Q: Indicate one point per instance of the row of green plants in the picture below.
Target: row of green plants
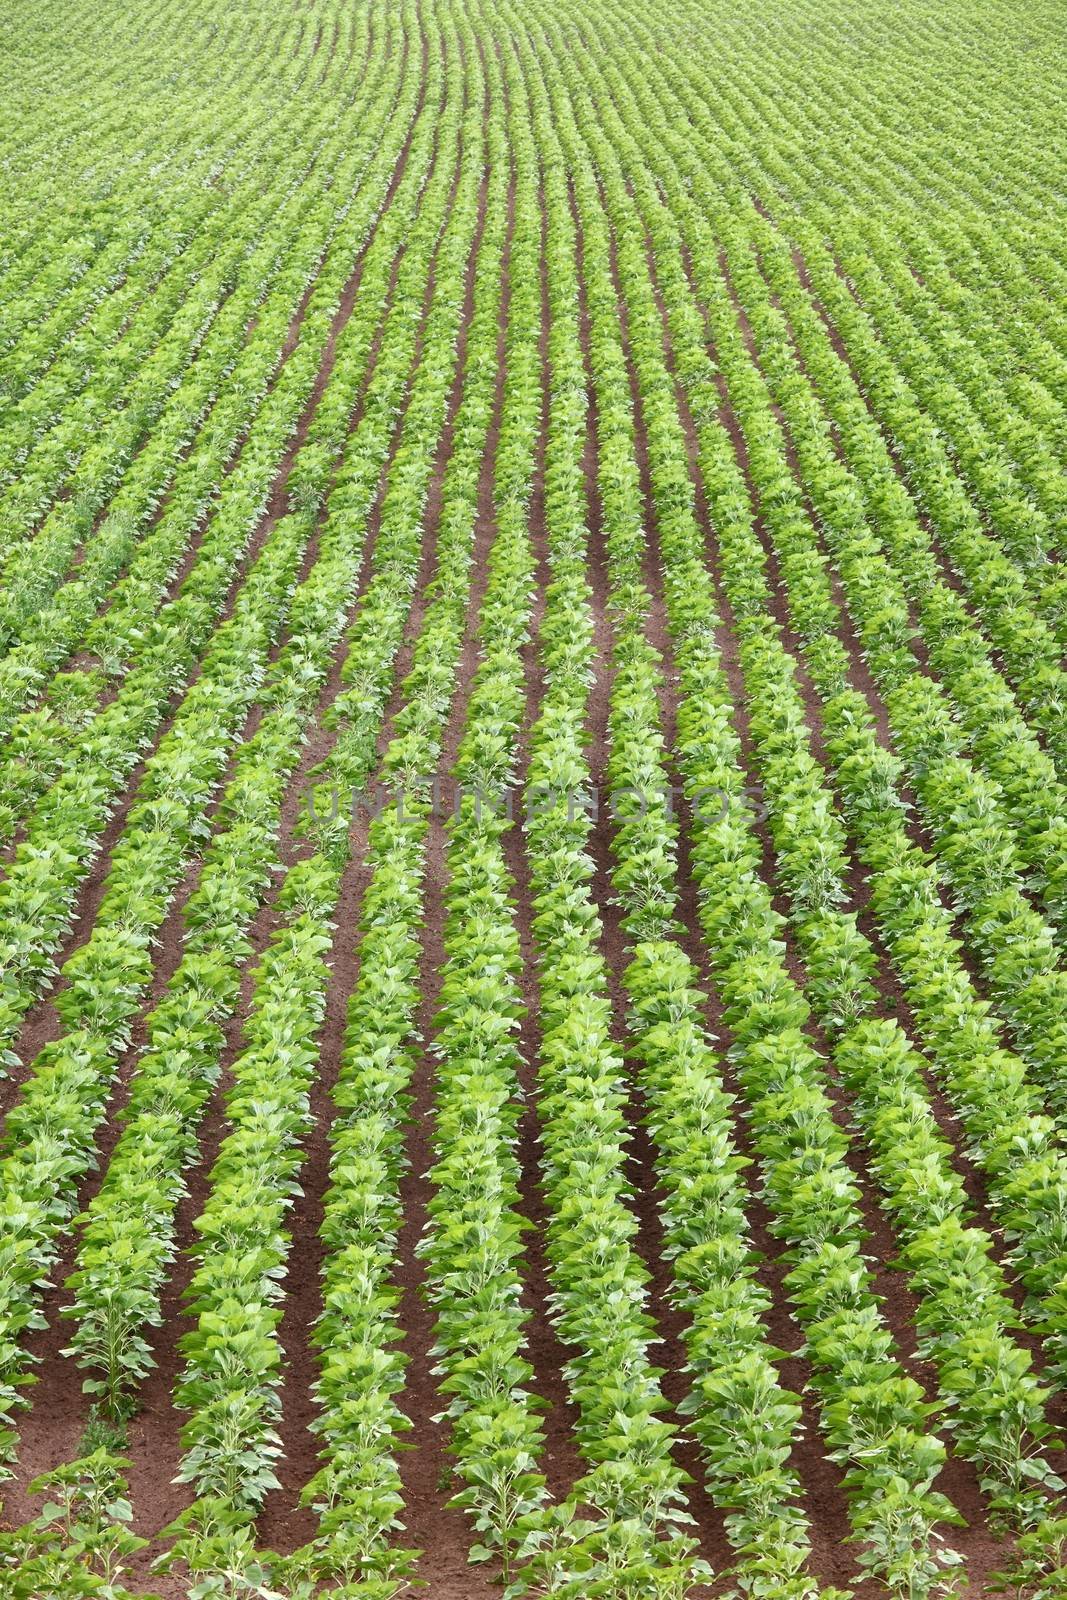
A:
(233, 1353)
(174, 481)
(623, 1527)
(357, 1493)
(744, 1420)
(130, 559)
(84, 444)
(1020, 445)
(946, 264)
(874, 1416)
(998, 590)
(107, 976)
(1012, 508)
(872, 483)
(117, 1290)
(1018, 950)
(968, 827)
(1002, 745)
(974, 408)
(103, 435)
(73, 295)
(474, 1235)
(1025, 361)
(34, 232)
(114, 1304)
(38, 894)
(791, 83)
(805, 833)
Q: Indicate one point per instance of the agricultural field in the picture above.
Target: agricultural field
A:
(533, 800)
